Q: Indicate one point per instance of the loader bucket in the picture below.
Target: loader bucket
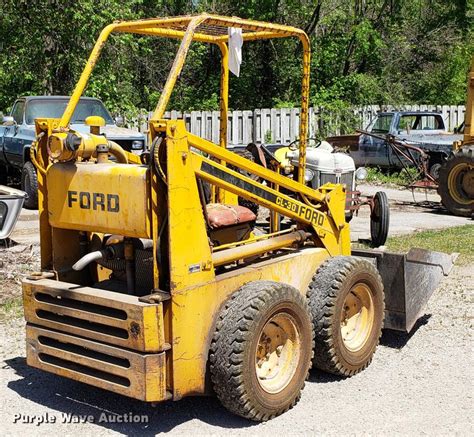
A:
(409, 280)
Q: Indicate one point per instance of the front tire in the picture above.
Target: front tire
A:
(346, 300)
(29, 184)
(261, 350)
(379, 219)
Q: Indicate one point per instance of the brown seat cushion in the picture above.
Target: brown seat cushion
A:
(220, 215)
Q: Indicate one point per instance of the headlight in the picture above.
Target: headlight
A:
(137, 145)
(361, 174)
(308, 175)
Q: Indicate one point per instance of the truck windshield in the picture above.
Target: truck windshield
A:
(54, 108)
(381, 125)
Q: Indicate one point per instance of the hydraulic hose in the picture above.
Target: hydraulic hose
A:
(117, 151)
(87, 259)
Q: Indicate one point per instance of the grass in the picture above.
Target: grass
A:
(457, 239)
(379, 177)
(11, 308)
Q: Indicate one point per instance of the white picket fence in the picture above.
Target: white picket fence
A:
(282, 125)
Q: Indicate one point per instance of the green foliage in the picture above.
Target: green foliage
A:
(401, 178)
(377, 52)
(458, 239)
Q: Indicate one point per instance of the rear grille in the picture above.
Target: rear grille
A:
(101, 315)
(140, 376)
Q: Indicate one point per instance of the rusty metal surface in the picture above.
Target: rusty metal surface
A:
(140, 376)
(409, 281)
(101, 315)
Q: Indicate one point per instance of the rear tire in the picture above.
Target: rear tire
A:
(379, 219)
(456, 182)
(346, 300)
(261, 350)
(29, 184)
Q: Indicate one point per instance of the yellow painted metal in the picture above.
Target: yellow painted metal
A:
(249, 166)
(108, 198)
(140, 376)
(100, 315)
(358, 315)
(224, 97)
(251, 239)
(197, 308)
(278, 353)
(190, 254)
(95, 122)
(176, 68)
(258, 247)
(469, 116)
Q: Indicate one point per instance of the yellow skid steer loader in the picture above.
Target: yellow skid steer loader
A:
(155, 283)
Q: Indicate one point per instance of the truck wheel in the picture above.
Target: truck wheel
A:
(346, 300)
(29, 184)
(261, 350)
(379, 219)
(456, 182)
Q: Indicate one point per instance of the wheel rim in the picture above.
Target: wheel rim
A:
(278, 353)
(357, 318)
(461, 183)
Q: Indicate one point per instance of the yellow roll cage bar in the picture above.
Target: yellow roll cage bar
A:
(204, 28)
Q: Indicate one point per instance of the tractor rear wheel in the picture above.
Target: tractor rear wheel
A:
(346, 300)
(261, 350)
(456, 182)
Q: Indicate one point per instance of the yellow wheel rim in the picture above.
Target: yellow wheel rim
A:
(461, 183)
(357, 318)
(278, 353)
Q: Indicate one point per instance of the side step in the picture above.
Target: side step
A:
(139, 376)
(409, 280)
(108, 317)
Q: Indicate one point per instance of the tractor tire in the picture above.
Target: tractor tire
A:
(261, 350)
(379, 220)
(346, 301)
(244, 202)
(434, 170)
(456, 182)
(29, 184)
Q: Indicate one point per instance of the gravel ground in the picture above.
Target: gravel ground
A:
(417, 385)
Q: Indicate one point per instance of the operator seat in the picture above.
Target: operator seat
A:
(220, 215)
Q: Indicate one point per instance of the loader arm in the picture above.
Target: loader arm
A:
(323, 214)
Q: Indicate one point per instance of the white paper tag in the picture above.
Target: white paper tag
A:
(235, 49)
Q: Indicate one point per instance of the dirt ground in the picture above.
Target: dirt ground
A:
(418, 384)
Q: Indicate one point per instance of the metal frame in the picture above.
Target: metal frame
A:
(204, 28)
